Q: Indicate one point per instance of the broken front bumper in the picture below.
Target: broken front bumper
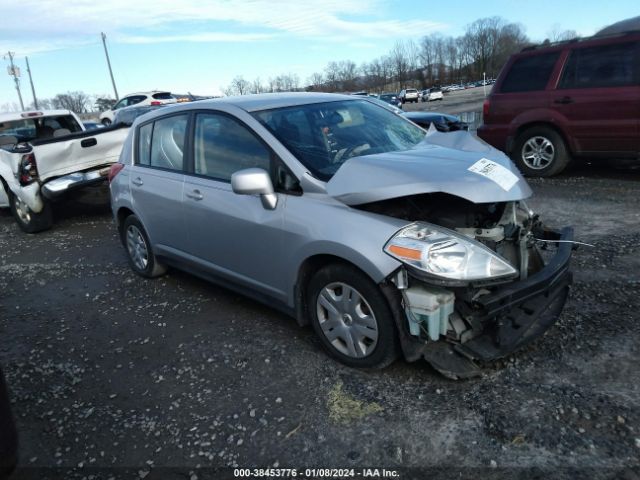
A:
(507, 319)
(61, 185)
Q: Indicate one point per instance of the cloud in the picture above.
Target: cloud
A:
(37, 25)
(196, 37)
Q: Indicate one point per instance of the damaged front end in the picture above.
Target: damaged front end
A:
(478, 281)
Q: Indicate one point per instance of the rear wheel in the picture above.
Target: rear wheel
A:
(139, 253)
(28, 220)
(540, 152)
(351, 317)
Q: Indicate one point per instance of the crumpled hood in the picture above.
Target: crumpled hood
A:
(456, 163)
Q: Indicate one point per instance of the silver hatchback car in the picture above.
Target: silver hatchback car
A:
(386, 238)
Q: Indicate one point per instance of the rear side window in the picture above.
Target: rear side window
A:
(529, 74)
(162, 96)
(144, 144)
(224, 146)
(605, 66)
(161, 143)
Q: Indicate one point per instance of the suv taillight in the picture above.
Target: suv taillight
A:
(28, 170)
(485, 110)
(156, 102)
(114, 170)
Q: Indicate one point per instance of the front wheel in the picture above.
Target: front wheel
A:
(351, 317)
(28, 220)
(139, 253)
(540, 152)
(106, 122)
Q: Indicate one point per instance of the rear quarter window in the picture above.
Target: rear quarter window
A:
(162, 96)
(528, 74)
(602, 66)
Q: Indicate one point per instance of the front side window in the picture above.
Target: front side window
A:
(324, 135)
(605, 66)
(529, 74)
(223, 146)
(163, 143)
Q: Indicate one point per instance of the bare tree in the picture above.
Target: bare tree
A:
(401, 64)
(557, 34)
(316, 82)
(78, 102)
(332, 76)
(239, 85)
(256, 86)
(103, 103)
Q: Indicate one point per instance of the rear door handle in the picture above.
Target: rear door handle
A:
(88, 142)
(195, 195)
(563, 100)
(137, 181)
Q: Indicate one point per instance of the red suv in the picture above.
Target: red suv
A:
(580, 98)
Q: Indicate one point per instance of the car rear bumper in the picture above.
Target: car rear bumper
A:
(59, 186)
(496, 136)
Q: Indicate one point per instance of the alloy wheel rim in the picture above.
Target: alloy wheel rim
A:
(538, 153)
(347, 320)
(137, 247)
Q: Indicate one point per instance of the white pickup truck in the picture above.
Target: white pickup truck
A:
(45, 154)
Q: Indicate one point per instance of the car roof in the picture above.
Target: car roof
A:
(146, 93)
(268, 101)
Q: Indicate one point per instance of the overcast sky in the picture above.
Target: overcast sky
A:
(199, 46)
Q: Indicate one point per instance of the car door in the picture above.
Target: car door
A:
(599, 95)
(157, 182)
(232, 235)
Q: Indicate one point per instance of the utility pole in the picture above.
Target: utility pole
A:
(33, 90)
(104, 44)
(15, 72)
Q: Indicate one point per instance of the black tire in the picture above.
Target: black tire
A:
(106, 122)
(28, 220)
(369, 306)
(552, 147)
(140, 255)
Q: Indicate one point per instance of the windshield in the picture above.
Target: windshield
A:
(325, 135)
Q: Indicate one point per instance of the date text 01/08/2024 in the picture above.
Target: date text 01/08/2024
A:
(315, 473)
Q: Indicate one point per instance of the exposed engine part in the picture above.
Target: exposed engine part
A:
(440, 209)
(428, 308)
(507, 228)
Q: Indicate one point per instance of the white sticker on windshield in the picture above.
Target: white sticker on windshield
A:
(495, 172)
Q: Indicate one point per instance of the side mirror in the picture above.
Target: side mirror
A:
(255, 181)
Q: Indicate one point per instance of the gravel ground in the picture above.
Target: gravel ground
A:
(113, 376)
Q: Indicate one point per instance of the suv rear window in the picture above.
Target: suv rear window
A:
(605, 66)
(162, 96)
(531, 73)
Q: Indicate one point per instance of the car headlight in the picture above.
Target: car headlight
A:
(446, 254)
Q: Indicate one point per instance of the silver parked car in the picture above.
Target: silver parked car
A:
(386, 238)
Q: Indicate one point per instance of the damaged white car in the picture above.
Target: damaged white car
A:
(46, 154)
(386, 238)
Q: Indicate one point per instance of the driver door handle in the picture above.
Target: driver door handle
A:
(137, 181)
(195, 195)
